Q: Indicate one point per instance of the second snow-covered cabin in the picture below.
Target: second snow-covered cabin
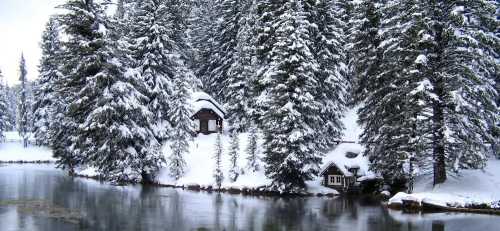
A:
(340, 178)
(346, 170)
(208, 114)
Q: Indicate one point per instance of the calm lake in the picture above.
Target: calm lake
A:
(40, 197)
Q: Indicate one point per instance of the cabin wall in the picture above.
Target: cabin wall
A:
(346, 181)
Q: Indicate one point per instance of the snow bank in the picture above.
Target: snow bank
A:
(472, 187)
(13, 151)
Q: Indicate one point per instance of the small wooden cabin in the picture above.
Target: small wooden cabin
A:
(340, 178)
(208, 114)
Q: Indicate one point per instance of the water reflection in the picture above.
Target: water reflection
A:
(106, 207)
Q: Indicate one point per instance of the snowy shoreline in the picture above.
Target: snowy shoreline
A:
(260, 191)
(200, 168)
(476, 191)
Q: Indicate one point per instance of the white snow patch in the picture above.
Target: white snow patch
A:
(471, 187)
(13, 150)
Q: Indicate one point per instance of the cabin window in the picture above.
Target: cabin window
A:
(212, 125)
(335, 180)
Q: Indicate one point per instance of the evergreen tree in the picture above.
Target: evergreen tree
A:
(392, 98)
(225, 43)
(23, 106)
(43, 107)
(252, 151)
(460, 65)
(182, 126)
(113, 132)
(218, 174)
(431, 88)
(234, 150)
(240, 81)
(291, 118)
(4, 118)
(158, 58)
(328, 47)
(11, 98)
(364, 40)
(202, 33)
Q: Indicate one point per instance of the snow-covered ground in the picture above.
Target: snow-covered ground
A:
(12, 150)
(200, 168)
(200, 162)
(469, 188)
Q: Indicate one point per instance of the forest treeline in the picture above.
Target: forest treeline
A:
(115, 87)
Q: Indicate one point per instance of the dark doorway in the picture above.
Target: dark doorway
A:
(204, 126)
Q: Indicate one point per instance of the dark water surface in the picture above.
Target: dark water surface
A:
(39, 197)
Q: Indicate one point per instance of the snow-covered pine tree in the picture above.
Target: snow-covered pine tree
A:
(328, 49)
(154, 55)
(391, 101)
(202, 34)
(159, 52)
(182, 126)
(461, 57)
(180, 19)
(12, 107)
(30, 99)
(239, 92)
(4, 117)
(225, 43)
(23, 105)
(44, 96)
(252, 150)
(234, 152)
(291, 120)
(114, 132)
(363, 42)
(218, 174)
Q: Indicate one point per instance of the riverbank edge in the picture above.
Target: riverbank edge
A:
(410, 206)
(260, 191)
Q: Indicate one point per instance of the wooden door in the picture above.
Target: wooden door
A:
(204, 126)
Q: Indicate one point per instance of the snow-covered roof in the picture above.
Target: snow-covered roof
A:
(337, 157)
(343, 169)
(201, 100)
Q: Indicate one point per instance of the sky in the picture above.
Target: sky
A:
(21, 25)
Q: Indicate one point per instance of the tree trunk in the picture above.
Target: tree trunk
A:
(439, 155)
(438, 107)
